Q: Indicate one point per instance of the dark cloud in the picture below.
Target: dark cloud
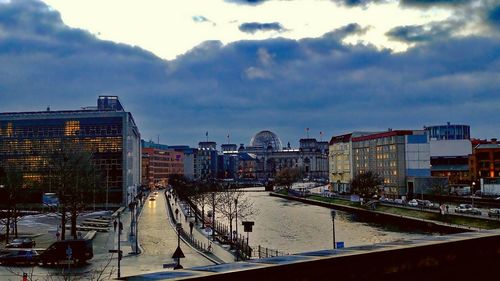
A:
(247, 2)
(252, 27)
(421, 33)
(352, 28)
(243, 87)
(428, 3)
(352, 3)
(493, 16)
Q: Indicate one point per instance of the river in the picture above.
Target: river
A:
(294, 227)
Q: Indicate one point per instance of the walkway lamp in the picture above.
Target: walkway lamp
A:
(333, 213)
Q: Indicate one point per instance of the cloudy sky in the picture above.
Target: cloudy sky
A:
(184, 67)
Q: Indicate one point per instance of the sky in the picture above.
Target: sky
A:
(236, 67)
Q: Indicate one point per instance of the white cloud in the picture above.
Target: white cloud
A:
(167, 28)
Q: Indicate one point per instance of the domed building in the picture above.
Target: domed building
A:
(266, 140)
(265, 156)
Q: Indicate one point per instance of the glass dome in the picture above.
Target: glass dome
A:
(266, 140)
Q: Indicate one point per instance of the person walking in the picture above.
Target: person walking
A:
(120, 227)
(114, 225)
(176, 214)
(191, 225)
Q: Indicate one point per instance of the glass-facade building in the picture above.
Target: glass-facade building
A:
(448, 132)
(27, 139)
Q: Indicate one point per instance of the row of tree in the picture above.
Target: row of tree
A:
(223, 199)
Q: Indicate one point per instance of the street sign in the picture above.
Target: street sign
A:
(178, 253)
(247, 226)
(168, 265)
(340, 245)
(69, 252)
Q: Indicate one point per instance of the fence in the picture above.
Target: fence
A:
(262, 252)
(222, 233)
(201, 246)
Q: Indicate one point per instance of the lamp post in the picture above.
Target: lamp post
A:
(472, 193)
(107, 186)
(213, 216)
(236, 217)
(332, 212)
(236, 231)
(119, 246)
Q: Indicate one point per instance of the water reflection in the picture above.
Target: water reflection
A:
(293, 227)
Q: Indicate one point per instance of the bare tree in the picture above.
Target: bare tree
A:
(232, 204)
(73, 175)
(11, 180)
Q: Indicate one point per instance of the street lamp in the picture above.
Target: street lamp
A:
(236, 217)
(332, 212)
(472, 193)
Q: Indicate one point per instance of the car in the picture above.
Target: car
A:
(21, 243)
(425, 203)
(494, 213)
(463, 208)
(399, 201)
(19, 256)
(474, 211)
(413, 203)
(152, 198)
(79, 250)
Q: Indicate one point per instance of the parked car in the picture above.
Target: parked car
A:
(399, 201)
(19, 256)
(474, 211)
(78, 250)
(21, 243)
(425, 203)
(494, 213)
(463, 208)
(413, 203)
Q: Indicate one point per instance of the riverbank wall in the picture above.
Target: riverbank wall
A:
(384, 218)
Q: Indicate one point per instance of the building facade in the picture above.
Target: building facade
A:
(270, 157)
(159, 165)
(450, 149)
(448, 132)
(205, 167)
(485, 162)
(394, 155)
(27, 139)
(340, 161)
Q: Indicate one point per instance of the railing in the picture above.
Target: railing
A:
(262, 252)
(222, 233)
(187, 237)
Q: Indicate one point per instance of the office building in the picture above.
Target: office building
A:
(27, 139)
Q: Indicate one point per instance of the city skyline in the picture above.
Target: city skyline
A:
(265, 73)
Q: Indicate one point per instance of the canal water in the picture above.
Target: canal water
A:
(294, 227)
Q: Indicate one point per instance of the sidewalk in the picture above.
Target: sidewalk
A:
(219, 252)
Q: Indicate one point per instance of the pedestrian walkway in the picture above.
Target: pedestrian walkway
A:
(158, 241)
(220, 253)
